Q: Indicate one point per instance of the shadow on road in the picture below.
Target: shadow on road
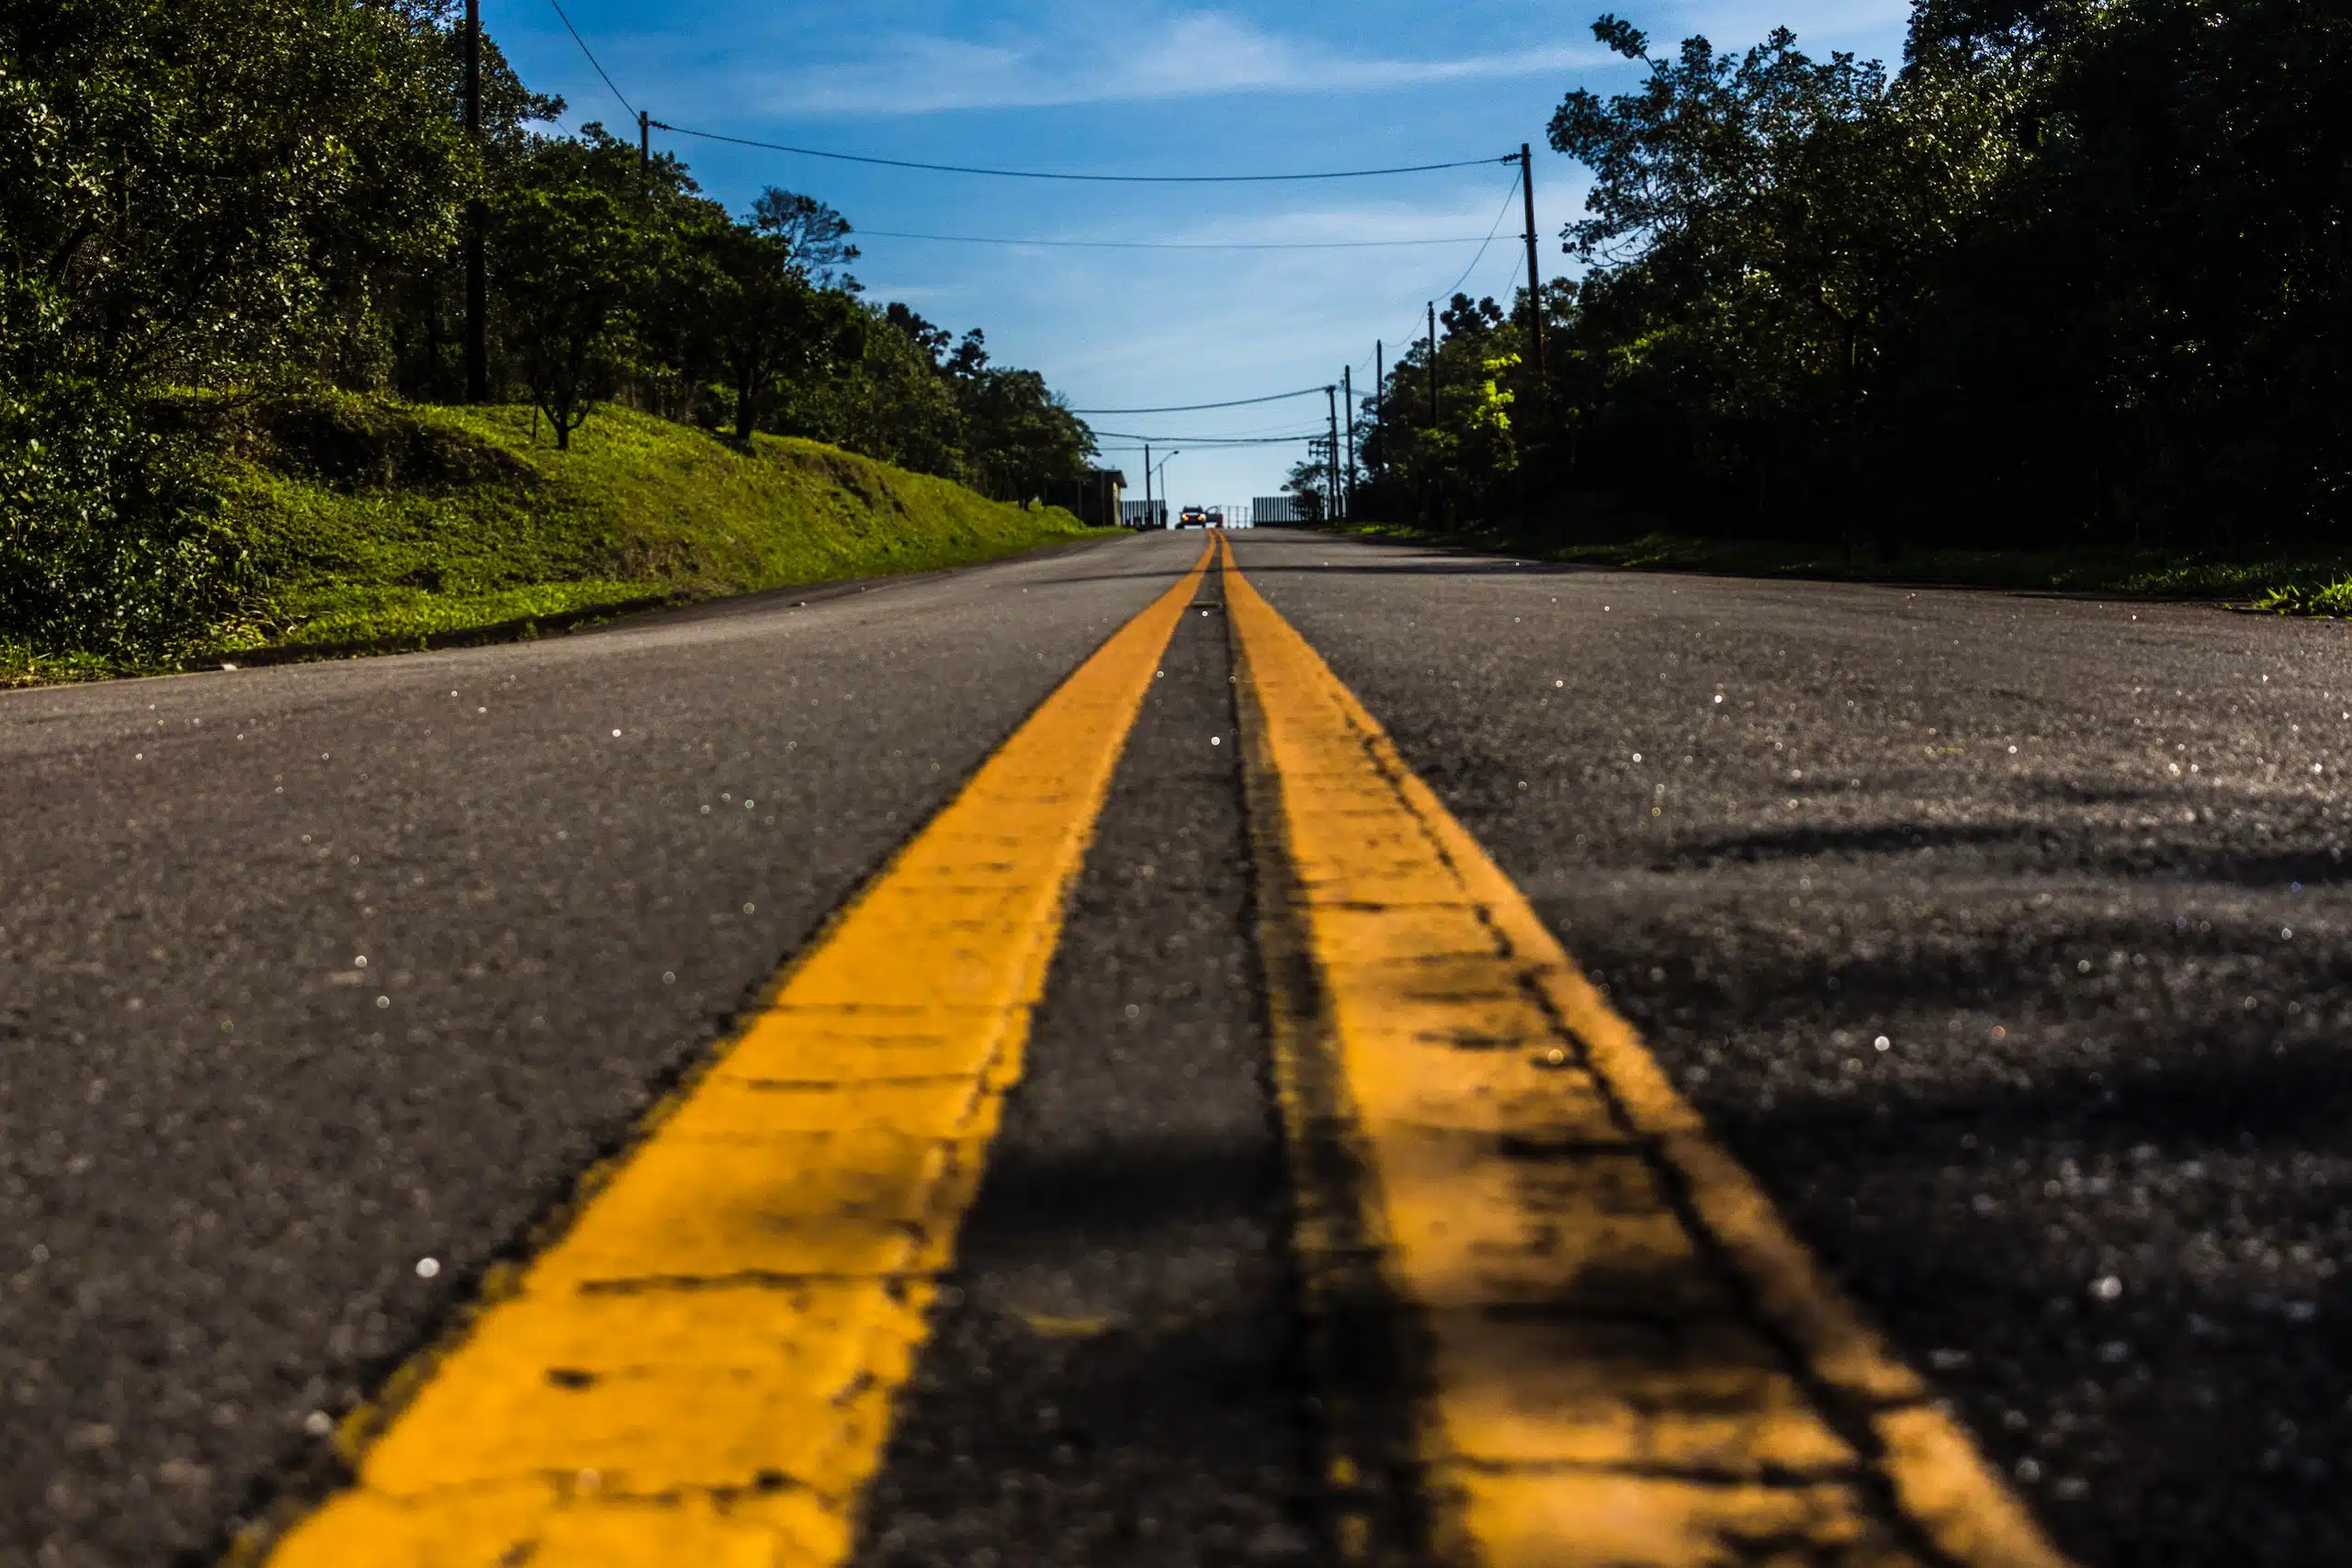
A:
(2168, 1117)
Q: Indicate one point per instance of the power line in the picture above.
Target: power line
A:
(1091, 179)
(1204, 438)
(1413, 333)
(592, 57)
(1490, 238)
(1195, 407)
(1172, 245)
(1190, 442)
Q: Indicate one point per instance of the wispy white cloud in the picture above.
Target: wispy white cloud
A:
(1187, 54)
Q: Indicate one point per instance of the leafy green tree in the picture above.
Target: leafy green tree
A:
(576, 261)
(1018, 436)
(892, 401)
(207, 186)
(765, 320)
(815, 238)
(1308, 483)
(208, 192)
(2152, 330)
(1771, 220)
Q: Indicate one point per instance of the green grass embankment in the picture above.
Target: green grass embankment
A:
(2286, 584)
(376, 524)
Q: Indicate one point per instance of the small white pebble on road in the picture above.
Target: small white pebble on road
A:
(426, 1268)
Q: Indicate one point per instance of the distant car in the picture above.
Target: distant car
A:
(1193, 518)
(1216, 519)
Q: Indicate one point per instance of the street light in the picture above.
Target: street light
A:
(1161, 468)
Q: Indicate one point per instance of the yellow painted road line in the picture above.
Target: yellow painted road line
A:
(698, 1373)
(1627, 1361)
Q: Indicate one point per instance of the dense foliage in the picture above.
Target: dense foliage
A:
(208, 196)
(2080, 269)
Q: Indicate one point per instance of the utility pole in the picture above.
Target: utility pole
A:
(476, 267)
(1534, 276)
(1163, 481)
(1151, 518)
(1331, 458)
(1379, 401)
(1348, 390)
(645, 156)
(1432, 365)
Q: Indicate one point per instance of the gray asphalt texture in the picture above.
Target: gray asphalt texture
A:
(227, 1149)
(1114, 1377)
(2095, 1183)
(2041, 1044)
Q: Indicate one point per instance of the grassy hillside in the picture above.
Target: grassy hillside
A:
(377, 524)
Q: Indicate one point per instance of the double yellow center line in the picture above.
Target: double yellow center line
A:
(1626, 1359)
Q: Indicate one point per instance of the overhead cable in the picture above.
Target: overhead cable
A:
(1195, 407)
(1171, 244)
(1189, 442)
(1058, 174)
(1490, 240)
(592, 56)
(1413, 334)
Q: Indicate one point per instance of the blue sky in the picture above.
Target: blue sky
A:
(1144, 87)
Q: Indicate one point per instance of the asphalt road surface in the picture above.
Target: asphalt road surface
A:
(2004, 940)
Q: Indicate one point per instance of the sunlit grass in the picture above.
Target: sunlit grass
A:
(639, 508)
(378, 525)
(23, 666)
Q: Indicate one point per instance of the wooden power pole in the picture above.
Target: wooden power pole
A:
(1347, 396)
(1534, 275)
(1432, 365)
(477, 265)
(1331, 453)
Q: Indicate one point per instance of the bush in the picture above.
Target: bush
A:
(111, 540)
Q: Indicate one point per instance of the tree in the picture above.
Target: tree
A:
(205, 184)
(1762, 226)
(574, 260)
(932, 341)
(1306, 482)
(205, 193)
(1018, 436)
(815, 238)
(892, 401)
(766, 320)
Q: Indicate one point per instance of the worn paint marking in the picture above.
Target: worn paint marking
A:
(1628, 1361)
(700, 1369)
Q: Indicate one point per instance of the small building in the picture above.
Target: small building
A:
(1096, 500)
